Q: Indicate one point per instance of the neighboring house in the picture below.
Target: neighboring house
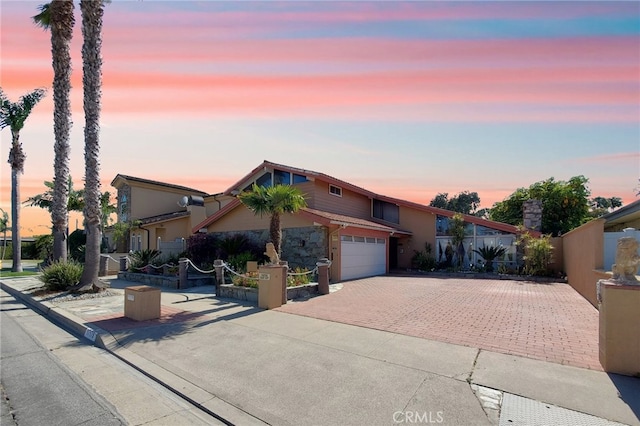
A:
(589, 250)
(157, 212)
(361, 232)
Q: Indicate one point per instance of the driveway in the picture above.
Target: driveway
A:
(548, 322)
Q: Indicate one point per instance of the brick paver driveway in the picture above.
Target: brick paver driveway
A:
(549, 322)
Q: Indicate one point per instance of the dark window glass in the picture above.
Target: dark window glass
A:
(264, 180)
(386, 211)
(281, 177)
(299, 178)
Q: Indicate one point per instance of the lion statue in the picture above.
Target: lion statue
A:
(627, 260)
(272, 254)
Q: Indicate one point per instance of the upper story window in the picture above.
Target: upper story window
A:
(264, 180)
(386, 211)
(335, 190)
(281, 177)
(299, 179)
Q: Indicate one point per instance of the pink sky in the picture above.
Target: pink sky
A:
(405, 99)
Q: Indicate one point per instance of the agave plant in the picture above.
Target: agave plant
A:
(142, 258)
(489, 254)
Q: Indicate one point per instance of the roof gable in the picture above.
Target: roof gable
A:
(136, 181)
(313, 175)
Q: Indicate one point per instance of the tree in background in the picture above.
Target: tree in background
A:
(465, 202)
(273, 201)
(4, 225)
(13, 115)
(45, 200)
(57, 17)
(565, 205)
(601, 205)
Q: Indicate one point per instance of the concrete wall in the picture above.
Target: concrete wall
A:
(583, 258)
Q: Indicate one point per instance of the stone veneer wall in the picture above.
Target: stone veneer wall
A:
(301, 247)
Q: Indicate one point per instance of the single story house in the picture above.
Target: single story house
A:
(361, 232)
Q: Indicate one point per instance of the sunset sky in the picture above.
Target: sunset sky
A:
(404, 99)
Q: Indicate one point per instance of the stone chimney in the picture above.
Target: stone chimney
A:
(532, 215)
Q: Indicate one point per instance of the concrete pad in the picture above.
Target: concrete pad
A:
(428, 355)
(349, 338)
(586, 391)
(445, 401)
(282, 380)
(282, 324)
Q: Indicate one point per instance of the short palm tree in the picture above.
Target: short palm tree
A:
(273, 201)
(489, 254)
(57, 17)
(13, 115)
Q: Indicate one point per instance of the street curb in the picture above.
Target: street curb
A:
(102, 339)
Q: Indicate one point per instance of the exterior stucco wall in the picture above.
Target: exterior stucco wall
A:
(583, 257)
(349, 204)
(423, 227)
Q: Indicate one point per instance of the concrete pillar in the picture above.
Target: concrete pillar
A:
(123, 263)
(219, 268)
(272, 282)
(102, 269)
(619, 337)
(285, 265)
(182, 273)
(323, 276)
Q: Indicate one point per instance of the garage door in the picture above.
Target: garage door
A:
(362, 257)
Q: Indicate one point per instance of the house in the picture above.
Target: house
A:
(589, 250)
(361, 232)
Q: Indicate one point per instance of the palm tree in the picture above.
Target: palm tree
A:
(92, 12)
(58, 17)
(13, 115)
(274, 201)
(4, 225)
(75, 201)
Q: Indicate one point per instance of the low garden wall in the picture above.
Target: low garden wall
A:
(167, 281)
(250, 294)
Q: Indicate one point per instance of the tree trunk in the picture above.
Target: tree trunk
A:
(92, 82)
(61, 32)
(275, 232)
(16, 241)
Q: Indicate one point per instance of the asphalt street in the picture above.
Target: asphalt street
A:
(41, 390)
(51, 377)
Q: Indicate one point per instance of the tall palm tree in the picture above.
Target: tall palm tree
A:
(92, 12)
(13, 115)
(57, 16)
(4, 225)
(273, 201)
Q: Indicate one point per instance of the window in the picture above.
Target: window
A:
(281, 177)
(299, 179)
(264, 180)
(386, 211)
(335, 190)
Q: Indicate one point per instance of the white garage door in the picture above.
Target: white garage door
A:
(363, 257)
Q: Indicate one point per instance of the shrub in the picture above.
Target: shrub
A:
(489, 254)
(142, 258)
(77, 242)
(423, 260)
(538, 254)
(202, 249)
(250, 279)
(238, 262)
(59, 276)
(296, 280)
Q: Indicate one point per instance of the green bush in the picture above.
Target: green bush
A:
(77, 242)
(59, 276)
(296, 280)
(238, 262)
(422, 260)
(538, 254)
(142, 258)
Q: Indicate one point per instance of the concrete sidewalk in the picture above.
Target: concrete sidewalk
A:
(251, 366)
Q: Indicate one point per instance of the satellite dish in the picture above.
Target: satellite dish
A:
(183, 202)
